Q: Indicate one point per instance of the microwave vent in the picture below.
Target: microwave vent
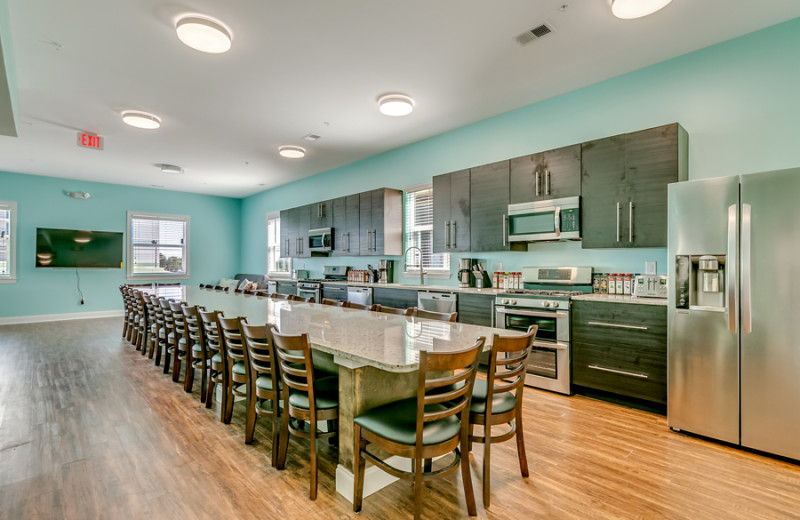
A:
(534, 34)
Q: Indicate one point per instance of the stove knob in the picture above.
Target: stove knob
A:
(513, 302)
(555, 305)
(547, 304)
(505, 301)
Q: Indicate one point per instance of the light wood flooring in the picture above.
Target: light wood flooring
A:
(91, 429)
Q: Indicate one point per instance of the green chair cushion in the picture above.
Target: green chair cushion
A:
(501, 402)
(326, 394)
(239, 368)
(216, 358)
(397, 422)
(265, 383)
(197, 347)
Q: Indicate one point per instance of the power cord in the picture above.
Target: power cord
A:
(78, 276)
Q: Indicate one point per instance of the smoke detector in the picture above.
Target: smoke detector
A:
(534, 33)
(170, 168)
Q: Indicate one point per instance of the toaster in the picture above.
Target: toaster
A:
(650, 286)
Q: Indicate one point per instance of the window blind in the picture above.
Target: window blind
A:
(158, 244)
(275, 264)
(5, 240)
(419, 230)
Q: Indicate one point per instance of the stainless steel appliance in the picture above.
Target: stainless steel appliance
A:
(313, 287)
(733, 356)
(320, 240)
(545, 302)
(556, 219)
(437, 301)
(465, 276)
(299, 274)
(272, 286)
(650, 286)
(362, 295)
(386, 269)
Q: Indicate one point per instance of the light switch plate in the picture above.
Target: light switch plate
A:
(649, 268)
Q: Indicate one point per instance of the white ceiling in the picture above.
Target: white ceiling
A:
(311, 66)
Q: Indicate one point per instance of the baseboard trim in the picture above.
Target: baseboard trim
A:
(40, 318)
(375, 478)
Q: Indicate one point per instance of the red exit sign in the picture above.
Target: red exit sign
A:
(90, 141)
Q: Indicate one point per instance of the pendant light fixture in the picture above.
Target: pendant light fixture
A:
(292, 152)
(630, 9)
(395, 104)
(204, 34)
(141, 119)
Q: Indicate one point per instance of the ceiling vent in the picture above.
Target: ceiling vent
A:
(311, 137)
(534, 34)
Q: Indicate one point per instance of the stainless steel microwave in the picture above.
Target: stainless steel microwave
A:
(555, 219)
(320, 240)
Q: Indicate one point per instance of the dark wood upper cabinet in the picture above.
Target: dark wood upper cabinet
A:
(489, 192)
(381, 222)
(321, 214)
(345, 225)
(288, 234)
(546, 175)
(451, 212)
(302, 223)
(624, 186)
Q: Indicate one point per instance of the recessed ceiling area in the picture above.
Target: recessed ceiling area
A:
(317, 67)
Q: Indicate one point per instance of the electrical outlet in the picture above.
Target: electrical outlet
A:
(649, 268)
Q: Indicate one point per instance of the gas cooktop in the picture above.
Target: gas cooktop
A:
(542, 292)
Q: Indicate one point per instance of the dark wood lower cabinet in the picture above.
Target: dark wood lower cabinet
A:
(475, 309)
(620, 348)
(400, 298)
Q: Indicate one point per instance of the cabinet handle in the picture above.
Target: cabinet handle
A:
(453, 233)
(616, 325)
(447, 235)
(557, 216)
(617, 221)
(620, 372)
(347, 242)
(547, 182)
(630, 221)
(505, 219)
(537, 183)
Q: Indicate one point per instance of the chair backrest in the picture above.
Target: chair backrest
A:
(295, 298)
(154, 310)
(446, 379)
(277, 296)
(431, 315)
(294, 358)
(260, 351)
(177, 318)
(333, 303)
(194, 329)
(211, 329)
(394, 310)
(507, 365)
(166, 312)
(361, 306)
(232, 341)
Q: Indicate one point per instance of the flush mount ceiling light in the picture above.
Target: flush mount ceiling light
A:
(629, 9)
(141, 119)
(82, 240)
(395, 104)
(203, 34)
(170, 168)
(292, 152)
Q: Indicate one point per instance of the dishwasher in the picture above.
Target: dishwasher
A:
(436, 301)
(362, 295)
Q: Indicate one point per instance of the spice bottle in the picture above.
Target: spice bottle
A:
(626, 284)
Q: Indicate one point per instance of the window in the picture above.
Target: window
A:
(159, 245)
(8, 241)
(275, 264)
(419, 230)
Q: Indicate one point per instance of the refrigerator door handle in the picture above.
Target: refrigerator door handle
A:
(732, 274)
(747, 299)
(617, 221)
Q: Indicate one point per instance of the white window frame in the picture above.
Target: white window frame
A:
(157, 276)
(11, 277)
(408, 228)
(276, 215)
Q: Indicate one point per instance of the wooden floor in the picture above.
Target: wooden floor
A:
(90, 429)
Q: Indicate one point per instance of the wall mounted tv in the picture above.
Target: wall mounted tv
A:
(78, 248)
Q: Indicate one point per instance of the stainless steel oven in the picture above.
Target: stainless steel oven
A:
(308, 288)
(549, 361)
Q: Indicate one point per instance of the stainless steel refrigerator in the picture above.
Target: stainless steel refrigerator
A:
(734, 310)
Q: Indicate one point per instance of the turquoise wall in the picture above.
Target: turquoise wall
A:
(214, 239)
(737, 100)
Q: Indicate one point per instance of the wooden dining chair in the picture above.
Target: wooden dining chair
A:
(361, 306)
(278, 296)
(432, 424)
(333, 303)
(306, 299)
(394, 310)
(497, 400)
(156, 323)
(263, 383)
(122, 292)
(233, 348)
(142, 320)
(166, 334)
(218, 371)
(305, 398)
(178, 341)
(197, 356)
(431, 315)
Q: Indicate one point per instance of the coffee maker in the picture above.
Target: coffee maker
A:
(386, 269)
(465, 276)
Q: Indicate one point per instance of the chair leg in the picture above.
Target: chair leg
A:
(276, 428)
(203, 383)
(487, 452)
(227, 400)
(250, 424)
(283, 442)
(157, 347)
(210, 391)
(188, 377)
(313, 452)
(523, 458)
(427, 465)
(176, 365)
(358, 468)
(167, 357)
(466, 479)
(417, 487)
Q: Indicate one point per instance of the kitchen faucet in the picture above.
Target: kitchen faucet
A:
(406, 266)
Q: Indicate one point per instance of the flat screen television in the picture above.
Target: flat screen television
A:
(78, 248)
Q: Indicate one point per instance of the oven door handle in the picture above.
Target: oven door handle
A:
(553, 346)
(536, 314)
